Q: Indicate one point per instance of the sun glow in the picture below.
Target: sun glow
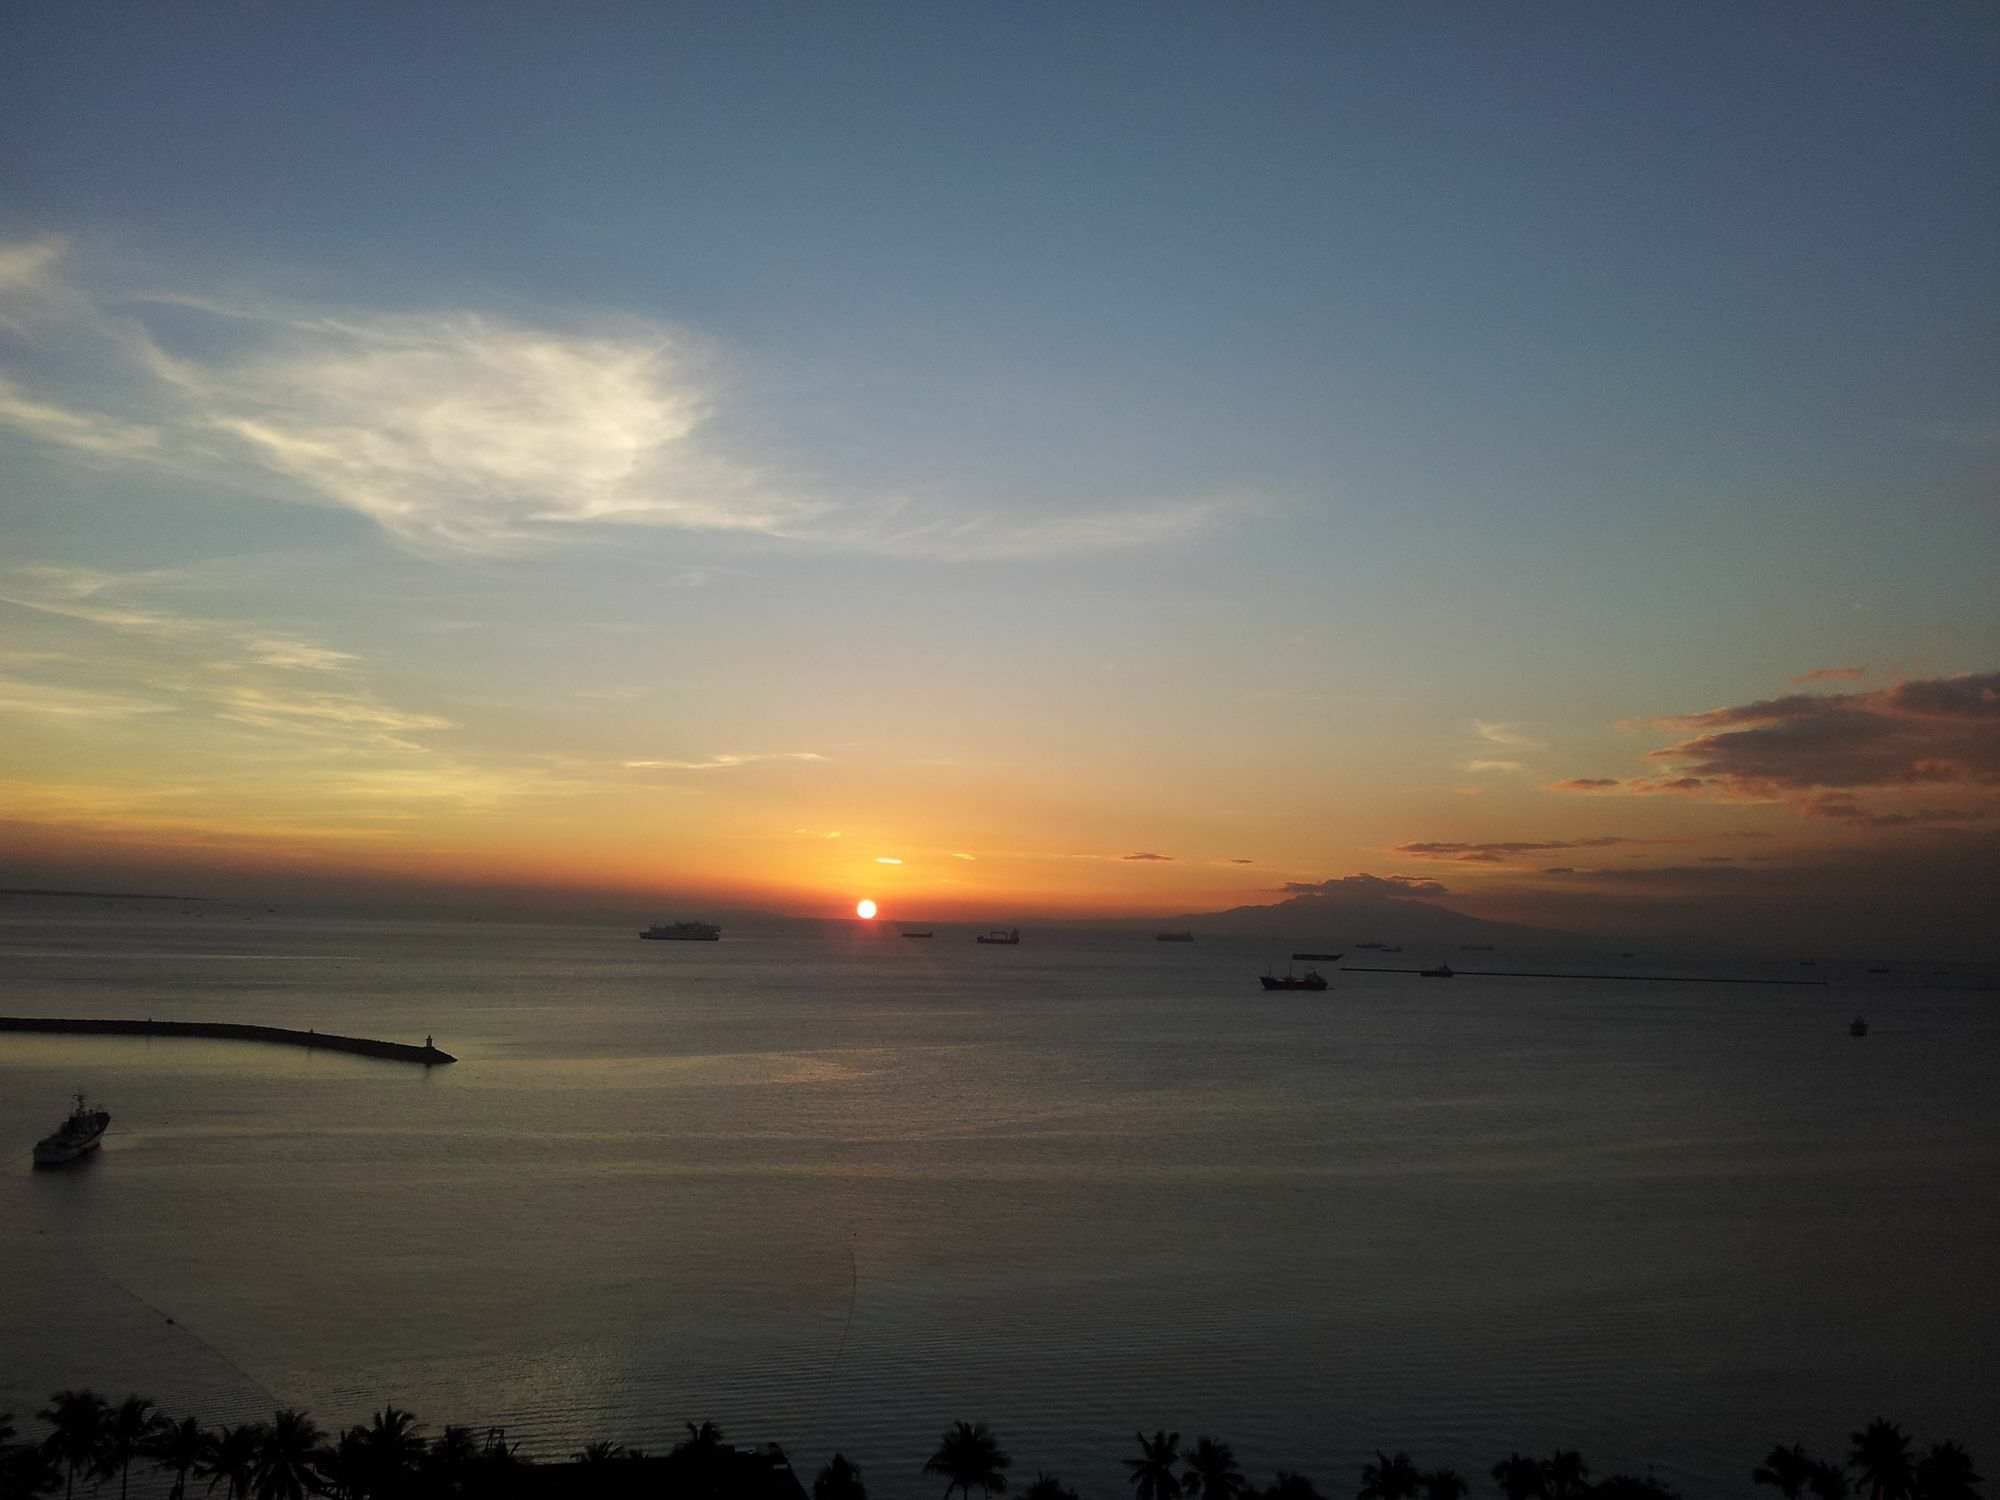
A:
(864, 909)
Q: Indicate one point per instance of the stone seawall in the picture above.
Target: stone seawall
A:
(231, 1031)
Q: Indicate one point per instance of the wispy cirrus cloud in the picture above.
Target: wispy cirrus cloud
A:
(462, 431)
(1831, 674)
(1161, 858)
(724, 762)
(1630, 786)
(18, 695)
(1376, 887)
(121, 653)
(1510, 851)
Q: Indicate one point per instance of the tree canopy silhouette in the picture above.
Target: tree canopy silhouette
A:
(969, 1456)
(1153, 1476)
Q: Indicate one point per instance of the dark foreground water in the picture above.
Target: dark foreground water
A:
(839, 1191)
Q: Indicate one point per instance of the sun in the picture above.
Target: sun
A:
(864, 909)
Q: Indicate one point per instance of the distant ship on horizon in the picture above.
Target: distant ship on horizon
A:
(683, 932)
(1173, 937)
(1001, 937)
(1312, 979)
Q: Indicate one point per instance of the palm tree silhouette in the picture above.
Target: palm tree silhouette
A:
(1212, 1471)
(230, 1456)
(970, 1455)
(450, 1457)
(1882, 1455)
(1565, 1476)
(1945, 1473)
(597, 1455)
(343, 1466)
(1445, 1484)
(78, 1418)
(1389, 1478)
(1153, 1476)
(284, 1468)
(177, 1447)
(1290, 1484)
(128, 1429)
(1519, 1478)
(1827, 1481)
(1789, 1469)
(391, 1448)
(839, 1480)
(27, 1471)
(1048, 1487)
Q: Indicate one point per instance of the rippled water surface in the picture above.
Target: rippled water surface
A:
(839, 1190)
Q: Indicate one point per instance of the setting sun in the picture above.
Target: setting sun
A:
(864, 909)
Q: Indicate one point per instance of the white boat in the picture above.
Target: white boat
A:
(76, 1135)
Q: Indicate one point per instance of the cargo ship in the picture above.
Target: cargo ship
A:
(683, 932)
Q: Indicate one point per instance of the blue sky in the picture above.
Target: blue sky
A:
(1282, 391)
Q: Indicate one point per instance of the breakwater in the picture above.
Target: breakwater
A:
(1635, 978)
(325, 1041)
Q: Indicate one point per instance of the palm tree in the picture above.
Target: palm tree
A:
(699, 1458)
(128, 1432)
(1045, 1487)
(1290, 1484)
(1789, 1469)
(451, 1455)
(343, 1466)
(1519, 1478)
(839, 1480)
(230, 1457)
(78, 1418)
(970, 1455)
(1945, 1473)
(596, 1455)
(1882, 1454)
(1828, 1481)
(28, 1472)
(1389, 1478)
(391, 1448)
(1565, 1476)
(178, 1447)
(284, 1468)
(1212, 1470)
(1153, 1475)
(1445, 1484)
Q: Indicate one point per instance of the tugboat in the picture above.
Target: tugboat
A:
(1002, 936)
(76, 1135)
(1442, 971)
(684, 932)
(1312, 979)
(1857, 1027)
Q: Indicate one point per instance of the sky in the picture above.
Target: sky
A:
(1008, 460)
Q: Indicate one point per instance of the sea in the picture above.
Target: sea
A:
(837, 1189)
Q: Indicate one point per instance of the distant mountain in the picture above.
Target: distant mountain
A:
(1359, 909)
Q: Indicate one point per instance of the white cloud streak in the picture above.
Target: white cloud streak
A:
(464, 433)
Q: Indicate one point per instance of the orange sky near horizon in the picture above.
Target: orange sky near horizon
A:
(1138, 490)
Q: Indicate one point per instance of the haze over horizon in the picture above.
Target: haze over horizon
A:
(1010, 462)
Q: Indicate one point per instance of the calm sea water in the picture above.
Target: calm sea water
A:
(841, 1190)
